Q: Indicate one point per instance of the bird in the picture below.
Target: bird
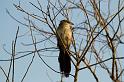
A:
(64, 40)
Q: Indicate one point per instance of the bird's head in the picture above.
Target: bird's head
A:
(66, 21)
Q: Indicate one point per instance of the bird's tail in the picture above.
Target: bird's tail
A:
(65, 62)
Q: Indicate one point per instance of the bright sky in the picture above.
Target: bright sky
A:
(38, 71)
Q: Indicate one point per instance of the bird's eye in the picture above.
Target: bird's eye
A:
(71, 27)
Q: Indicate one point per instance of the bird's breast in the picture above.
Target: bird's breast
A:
(65, 35)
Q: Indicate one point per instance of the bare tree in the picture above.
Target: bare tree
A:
(97, 35)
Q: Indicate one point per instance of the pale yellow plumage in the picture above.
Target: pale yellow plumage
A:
(64, 39)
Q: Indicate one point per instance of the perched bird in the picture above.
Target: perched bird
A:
(64, 40)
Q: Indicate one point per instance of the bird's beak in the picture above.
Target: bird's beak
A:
(71, 23)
